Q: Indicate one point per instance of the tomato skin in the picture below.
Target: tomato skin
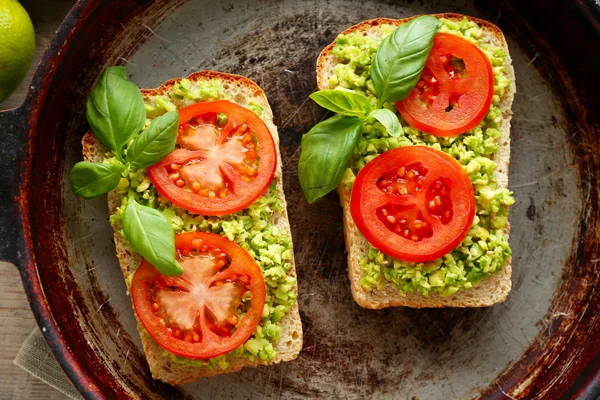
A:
(245, 191)
(473, 92)
(242, 267)
(367, 200)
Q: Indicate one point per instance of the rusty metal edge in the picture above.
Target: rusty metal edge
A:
(59, 347)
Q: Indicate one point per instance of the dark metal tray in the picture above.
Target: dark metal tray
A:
(543, 342)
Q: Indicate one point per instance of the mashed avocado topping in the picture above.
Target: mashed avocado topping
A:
(485, 249)
(251, 228)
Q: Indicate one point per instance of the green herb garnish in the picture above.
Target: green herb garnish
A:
(115, 111)
(401, 57)
(327, 147)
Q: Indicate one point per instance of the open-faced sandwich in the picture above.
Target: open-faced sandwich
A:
(419, 153)
(193, 175)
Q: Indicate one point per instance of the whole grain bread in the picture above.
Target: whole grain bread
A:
(242, 91)
(490, 290)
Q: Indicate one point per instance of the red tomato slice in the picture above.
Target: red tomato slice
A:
(218, 168)
(413, 203)
(455, 90)
(195, 315)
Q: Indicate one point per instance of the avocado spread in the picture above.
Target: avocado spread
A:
(251, 228)
(485, 249)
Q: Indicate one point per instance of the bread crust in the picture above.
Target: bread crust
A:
(242, 90)
(491, 290)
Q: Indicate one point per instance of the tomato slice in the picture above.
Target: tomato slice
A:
(197, 314)
(455, 90)
(225, 159)
(413, 203)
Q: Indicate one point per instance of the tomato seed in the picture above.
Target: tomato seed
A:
(432, 205)
(391, 218)
(406, 233)
(197, 243)
(196, 337)
(175, 167)
(187, 337)
(232, 320)
(414, 238)
(401, 172)
(403, 190)
(212, 194)
(155, 307)
(174, 176)
(180, 183)
(246, 139)
(384, 212)
(437, 201)
(222, 194)
(418, 224)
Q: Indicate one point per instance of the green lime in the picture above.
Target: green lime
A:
(17, 46)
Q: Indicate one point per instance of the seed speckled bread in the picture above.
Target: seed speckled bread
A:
(241, 90)
(492, 289)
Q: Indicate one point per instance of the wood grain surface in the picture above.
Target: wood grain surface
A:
(15, 314)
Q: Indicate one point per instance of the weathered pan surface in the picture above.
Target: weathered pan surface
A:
(528, 347)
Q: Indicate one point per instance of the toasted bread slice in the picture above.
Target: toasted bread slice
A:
(492, 289)
(242, 91)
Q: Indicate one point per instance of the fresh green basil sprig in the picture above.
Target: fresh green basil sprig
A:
(116, 114)
(397, 66)
(401, 57)
(327, 147)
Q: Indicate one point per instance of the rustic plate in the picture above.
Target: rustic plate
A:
(543, 342)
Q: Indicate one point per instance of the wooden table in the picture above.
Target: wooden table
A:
(15, 314)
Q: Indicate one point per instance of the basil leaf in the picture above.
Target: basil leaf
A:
(401, 57)
(388, 119)
(93, 179)
(325, 151)
(155, 142)
(115, 109)
(152, 237)
(344, 103)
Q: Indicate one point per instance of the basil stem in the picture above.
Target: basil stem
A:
(325, 151)
(151, 236)
(401, 57)
(90, 180)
